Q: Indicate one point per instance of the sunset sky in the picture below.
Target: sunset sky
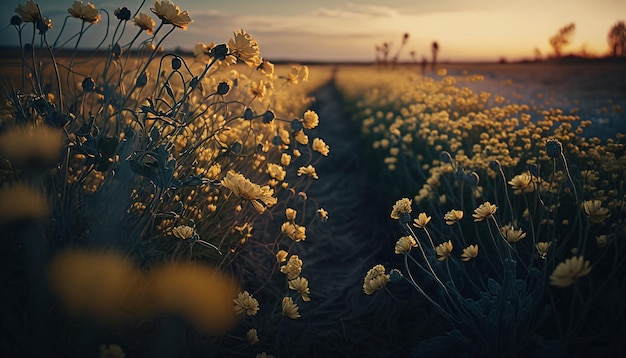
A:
(330, 30)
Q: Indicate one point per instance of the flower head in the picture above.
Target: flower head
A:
(484, 211)
(542, 248)
(375, 279)
(511, 235)
(322, 214)
(401, 207)
(320, 146)
(276, 171)
(293, 268)
(252, 336)
(421, 221)
(301, 285)
(183, 232)
(281, 256)
(308, 170)
(22, 202)
(87, 13)
(245, 48)
(595, 212)
(260, 196)
(453, 216)
(28, 12)
(444, 250)
(469, 253)
(290, 309)
(171, 14)
(567, 272)
(310, 119)
(404, 244)
(245, 303)
(521, 183)
(144, 22)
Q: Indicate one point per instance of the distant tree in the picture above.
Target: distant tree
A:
(617, 39)
(538, 55)
(562, 38)
(435, 50)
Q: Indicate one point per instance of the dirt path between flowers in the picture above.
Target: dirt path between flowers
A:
(341, 320)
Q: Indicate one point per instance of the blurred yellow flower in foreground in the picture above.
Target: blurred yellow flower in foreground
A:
(568, 271)
(260, 196)
(171, 14)
(111, 351)
(33, 144)
(375, 279)
(87, 13)
(101, 285)
(22, 202)
(245, 48)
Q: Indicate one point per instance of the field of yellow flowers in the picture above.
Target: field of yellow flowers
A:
(159, 205)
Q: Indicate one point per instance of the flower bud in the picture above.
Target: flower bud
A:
(296, 124)
(88, 84)
(223, 88)
(554, 148)
(248, 114)
(122, 14)
(268, 116)
(176, 63)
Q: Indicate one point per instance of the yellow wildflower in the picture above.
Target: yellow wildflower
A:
(245, 303)
(290, 309)
(183, 232)
(469, 253)
(511, 235)
(290, 214)
(28, 12)
(453, 216)
(484, 211)
(521, 183)
(443, 250)
(375, 279)
(402, 206)
(171, 14)
(276, 171)
(144, 22)
(595, 212)
(567, 272)
(421, 221)
(87, 13)
(301, 285)
(320, 146)
(310, 119)
(281, 256)
(293, 268)
(245, 48)
(22, 202)
(252, 336)
(260, 196)
(308, 170)
(404, 244)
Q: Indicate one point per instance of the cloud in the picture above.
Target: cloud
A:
(352, 10)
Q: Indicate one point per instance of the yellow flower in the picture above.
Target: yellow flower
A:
(171, 14)
(285, 159)
(542, 248)
(453, 216)
(293, 268)
(290, 309)
(183, 232)
(602, 240)
(295, 232)
(111, 351)
(567, 272)
(276, 171)
(521, 183)
(595, 212)
(511, 235)
(264, 355)
(310, 119)
(290, 214)
(469, 253)
(444, 250)
(404, 244)
(322, 214)
(28, 12)
(22, 202)
(245, 303)
(267, 68)
(260, 196)
(320, 146)
(308, 170)
(252, 336)
(402, 206)
(301, 138)
(32, 144)
(375, 279)
(204, 53)
(87, 13)
(421, 221)
(245, 48)
(301, 285)
(144, 22)
(484, 211)
(298, 73)
(281, 256)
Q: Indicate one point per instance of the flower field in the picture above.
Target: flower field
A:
(154, 204)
